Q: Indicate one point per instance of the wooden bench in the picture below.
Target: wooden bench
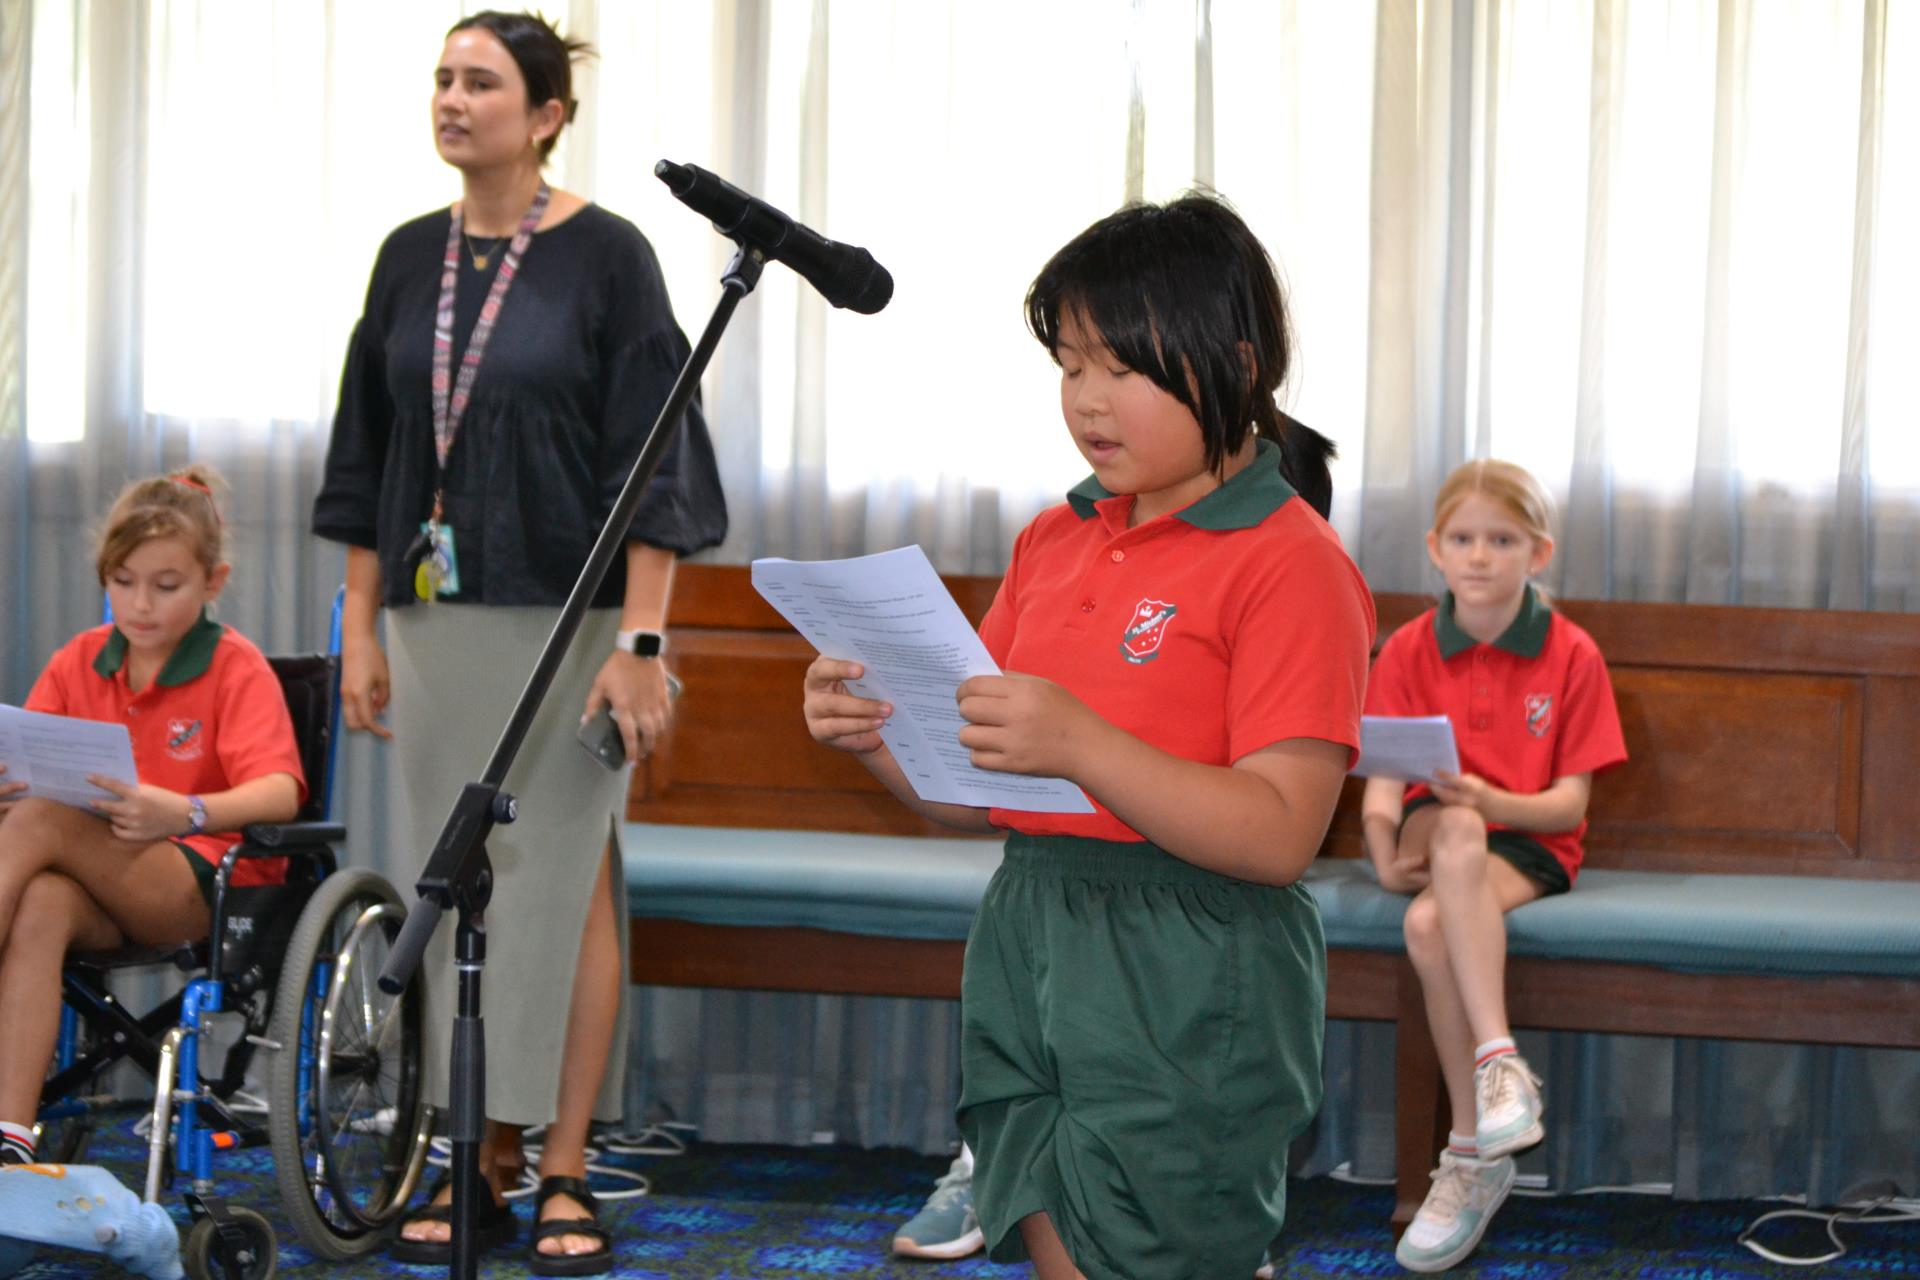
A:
(1765, 743)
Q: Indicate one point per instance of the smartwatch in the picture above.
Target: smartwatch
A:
(196, 815)
(641, 644)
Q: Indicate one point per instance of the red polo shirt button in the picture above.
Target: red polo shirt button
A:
(1480, 723)
(1118, 556)
(1086, 606)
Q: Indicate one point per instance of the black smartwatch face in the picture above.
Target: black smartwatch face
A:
(646, 645)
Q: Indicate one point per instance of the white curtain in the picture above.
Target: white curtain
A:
(1659, 251)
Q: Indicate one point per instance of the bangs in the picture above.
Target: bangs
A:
(1106, 301)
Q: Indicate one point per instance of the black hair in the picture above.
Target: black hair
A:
(544, 56)
(1185, 294)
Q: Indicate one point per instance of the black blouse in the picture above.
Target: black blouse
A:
(581, 359)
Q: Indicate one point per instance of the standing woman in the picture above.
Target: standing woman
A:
(473, 461)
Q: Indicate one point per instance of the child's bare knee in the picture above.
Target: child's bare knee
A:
(1421, 928)
(45, 918)
(30, 826)
(1458, 821)
(1459, 839)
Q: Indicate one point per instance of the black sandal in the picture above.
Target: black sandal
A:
(497, 1227)
(591, 1263)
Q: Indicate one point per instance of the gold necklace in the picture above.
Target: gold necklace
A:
(480, 260)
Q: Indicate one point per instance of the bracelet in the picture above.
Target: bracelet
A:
(196, 815)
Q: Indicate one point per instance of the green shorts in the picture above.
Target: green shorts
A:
(1528, 856)
(203, 871)
(1140, 1043)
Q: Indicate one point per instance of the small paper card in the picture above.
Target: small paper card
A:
(1410, 748)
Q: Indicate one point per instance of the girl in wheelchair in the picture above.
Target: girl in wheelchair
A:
(214, 749)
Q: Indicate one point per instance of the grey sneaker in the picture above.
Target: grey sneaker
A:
(946, 1226)
(1507, 1097)
(1456, 1213)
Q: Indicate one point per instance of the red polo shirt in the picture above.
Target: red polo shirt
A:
(1211, 632)
(213, 718)
(1534, 706)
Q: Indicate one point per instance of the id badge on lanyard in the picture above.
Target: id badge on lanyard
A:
(438, 562)
(433, 554)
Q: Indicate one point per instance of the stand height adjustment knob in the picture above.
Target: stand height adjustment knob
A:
(505, 808)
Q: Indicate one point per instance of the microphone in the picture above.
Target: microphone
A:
(846, 275)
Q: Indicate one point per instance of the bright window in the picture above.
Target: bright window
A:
(59, 157)
(323, 113)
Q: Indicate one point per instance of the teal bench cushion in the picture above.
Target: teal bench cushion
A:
(890, 886)
(1706, 923)
(1729, 923)
(910, 887)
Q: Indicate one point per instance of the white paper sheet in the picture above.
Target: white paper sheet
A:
(892, 613)
(54, 754)
(1410, 748)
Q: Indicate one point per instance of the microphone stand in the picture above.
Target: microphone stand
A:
(459, 874)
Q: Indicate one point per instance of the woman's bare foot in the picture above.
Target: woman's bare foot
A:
(501, 1178)
(562, 1208)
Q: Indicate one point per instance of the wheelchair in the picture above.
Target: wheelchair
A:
(297, 963)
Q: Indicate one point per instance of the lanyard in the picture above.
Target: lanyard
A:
(450, 395)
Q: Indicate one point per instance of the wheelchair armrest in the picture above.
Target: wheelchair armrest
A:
(309, 842)
(269, 839)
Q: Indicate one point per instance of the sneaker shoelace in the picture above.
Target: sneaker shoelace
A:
(1500, 1083)
(952, 1184)
(1452, 1190)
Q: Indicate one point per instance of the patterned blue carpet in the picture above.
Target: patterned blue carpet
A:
(733, 1212)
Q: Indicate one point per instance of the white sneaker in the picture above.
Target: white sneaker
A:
(1456, 1212)
(1507, 1098)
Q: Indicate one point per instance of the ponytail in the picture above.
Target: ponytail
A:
(1304, 455)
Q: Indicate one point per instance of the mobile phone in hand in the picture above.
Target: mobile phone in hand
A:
(601, 737)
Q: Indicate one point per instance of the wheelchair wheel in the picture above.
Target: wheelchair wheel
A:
(348, 1129)
(259, 1255)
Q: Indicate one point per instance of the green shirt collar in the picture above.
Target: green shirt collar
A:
(1524, 637)
(1252, 494)
(189, 660)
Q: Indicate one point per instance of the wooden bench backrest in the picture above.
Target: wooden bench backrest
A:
(1762, 740)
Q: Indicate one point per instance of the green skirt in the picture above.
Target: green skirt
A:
(1140, 1043)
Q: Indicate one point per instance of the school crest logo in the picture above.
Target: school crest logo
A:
(1148, 627)
(1539, 714)
(184, 740)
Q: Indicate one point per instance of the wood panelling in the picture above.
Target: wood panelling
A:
(678, 953)
(1718, 758)
(739, 721)
(1625, 999)
(722, 596)
(1363, 986)
(1890, 780)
